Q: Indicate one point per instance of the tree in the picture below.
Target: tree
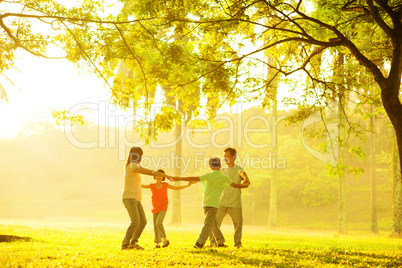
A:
(160, 63)
(17, 20)
(232, 33)
(145, 58)
(368, 31)
(297, 38)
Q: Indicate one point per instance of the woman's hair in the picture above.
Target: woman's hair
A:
(161, 171)
(134, 156)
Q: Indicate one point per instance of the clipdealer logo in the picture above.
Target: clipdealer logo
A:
(116, 126)
(330, 153)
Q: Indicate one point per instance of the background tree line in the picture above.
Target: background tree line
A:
(43, 175)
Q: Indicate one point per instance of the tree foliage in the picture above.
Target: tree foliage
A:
(303, 37)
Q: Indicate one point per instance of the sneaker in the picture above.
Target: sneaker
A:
(166, 243)
(198, 245)
(222, 246)
(157, 246)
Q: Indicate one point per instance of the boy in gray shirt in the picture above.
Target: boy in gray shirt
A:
(230, 201)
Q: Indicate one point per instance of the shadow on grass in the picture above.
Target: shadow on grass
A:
(309, 258)
(14, 238)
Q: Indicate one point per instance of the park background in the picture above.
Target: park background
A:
(46, 176)
(325, 183)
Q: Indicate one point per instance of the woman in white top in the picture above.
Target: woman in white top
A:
(132, 196)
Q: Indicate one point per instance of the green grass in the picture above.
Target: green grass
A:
(83, 244)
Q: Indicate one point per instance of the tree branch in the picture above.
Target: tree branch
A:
(86, 54)
(153, 37)
(376, 16)
(139, 63)
(344, 41)
(61, 18)
(18, 43)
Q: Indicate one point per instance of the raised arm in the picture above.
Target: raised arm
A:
(149, 172)
(181, 187)
(186, 178)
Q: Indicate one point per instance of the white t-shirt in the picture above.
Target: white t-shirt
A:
(132, 183)
(231, 197)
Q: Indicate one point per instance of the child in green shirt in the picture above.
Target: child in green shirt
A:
(214, 184)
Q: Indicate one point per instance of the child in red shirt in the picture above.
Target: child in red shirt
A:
(159, 206)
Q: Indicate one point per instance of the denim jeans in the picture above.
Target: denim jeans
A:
(158, 226)
(210, 227)
(236, 214)
(138, 221)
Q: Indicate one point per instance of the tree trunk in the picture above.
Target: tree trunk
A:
(374, 222)
(396, 119)
(342, 205)
(390, 91)
(341, 149)
(396, 194)
(273, 205)
(273, 202)
(176, 204)
(271, 95)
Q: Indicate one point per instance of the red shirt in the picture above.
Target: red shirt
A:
(159, 198)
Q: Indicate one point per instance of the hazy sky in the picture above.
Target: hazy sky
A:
(44, 85)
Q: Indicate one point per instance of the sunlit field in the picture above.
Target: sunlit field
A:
(86, 244)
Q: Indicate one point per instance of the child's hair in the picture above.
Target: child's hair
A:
(215, 163)
(161, 171)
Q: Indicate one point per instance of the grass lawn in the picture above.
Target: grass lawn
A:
(96, 244)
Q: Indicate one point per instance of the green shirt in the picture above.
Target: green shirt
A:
(214, 183)
(231, 197)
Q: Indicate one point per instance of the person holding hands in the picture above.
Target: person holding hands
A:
(230, 202)
(160, 205)
(214, 183)
(132, 197)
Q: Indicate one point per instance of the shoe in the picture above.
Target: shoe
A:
(135, 246)
(166, 243)
(198, 245)
(157, 246)
(222, 246)
(125, 247)
(238, 245)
